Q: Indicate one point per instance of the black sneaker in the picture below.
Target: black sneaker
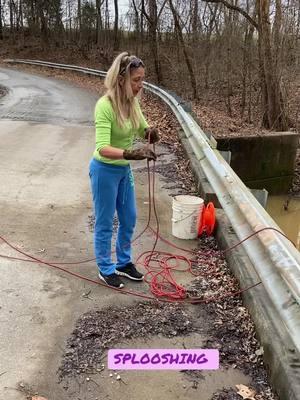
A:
(130, 272)
(112, 280)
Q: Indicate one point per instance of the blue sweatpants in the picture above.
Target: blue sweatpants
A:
(113, 190)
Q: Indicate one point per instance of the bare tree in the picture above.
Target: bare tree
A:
(79, 14)
(152, 19)
(274, 107)
(274, 116)
(142, 20)
(116, 26)
(1, 26)
(107, 22)
(99, 24)
(20, 15)
(195, 20)
(209, 26)
(42, 13)
(184, 49)
(137, 27)
(247, 67)
(11, 17)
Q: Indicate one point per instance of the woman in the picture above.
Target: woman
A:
(118, 120)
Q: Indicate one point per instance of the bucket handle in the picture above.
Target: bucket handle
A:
(179, 220)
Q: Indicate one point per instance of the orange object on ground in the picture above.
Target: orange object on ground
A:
(207, 219)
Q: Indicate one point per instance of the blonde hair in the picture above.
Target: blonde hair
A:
(121, 97)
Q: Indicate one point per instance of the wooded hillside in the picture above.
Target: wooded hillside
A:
(244, 54)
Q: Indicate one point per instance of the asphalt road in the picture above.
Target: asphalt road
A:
(44, 100)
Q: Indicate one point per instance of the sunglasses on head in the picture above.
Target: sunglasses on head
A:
(134, 63)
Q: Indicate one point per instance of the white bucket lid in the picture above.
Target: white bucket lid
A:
(187, 199)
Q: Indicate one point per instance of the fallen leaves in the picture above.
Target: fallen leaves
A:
(97, 331)
(232, 330)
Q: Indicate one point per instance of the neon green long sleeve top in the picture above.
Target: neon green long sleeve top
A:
(109, 133)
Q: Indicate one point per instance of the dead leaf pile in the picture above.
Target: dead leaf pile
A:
(159, 114)
(241, 392)
(231, 329)
(179, 173)
(97, 331)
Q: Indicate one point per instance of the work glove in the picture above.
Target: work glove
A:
(153, 134)
(139, 154)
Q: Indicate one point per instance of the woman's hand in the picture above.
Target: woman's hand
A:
(140, 154)
(153, 134)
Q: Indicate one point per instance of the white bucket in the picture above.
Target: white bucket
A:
(186, 211)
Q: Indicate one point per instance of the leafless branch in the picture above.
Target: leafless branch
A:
(236, 8)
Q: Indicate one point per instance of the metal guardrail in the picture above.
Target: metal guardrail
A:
(275, 259)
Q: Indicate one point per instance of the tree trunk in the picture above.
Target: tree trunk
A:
(183, 46)
(247, 50)
(21, 15)
(136, 27)
(229, 23)
(116, 26)
(195, 21)
(274, 111)
(1, 27)
(43, 22)
(153, 39)
(11, 17)
(59, 27)
(33, 18)
(142, 23)
(106, 16)
(208, 45)
(247, 67)
(99, 25)
(79, 20)
(70, 19)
